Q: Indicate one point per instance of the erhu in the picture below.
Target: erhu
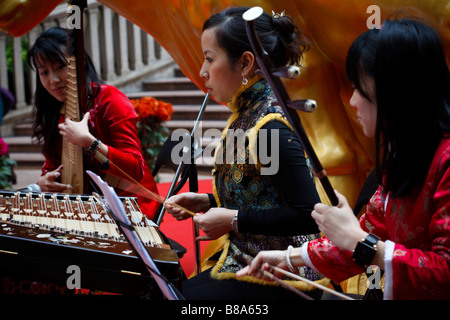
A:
(289, 107)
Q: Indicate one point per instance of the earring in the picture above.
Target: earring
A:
(244, 80)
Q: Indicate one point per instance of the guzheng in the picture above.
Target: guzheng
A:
(41, 234)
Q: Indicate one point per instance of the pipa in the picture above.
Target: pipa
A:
(72, 155)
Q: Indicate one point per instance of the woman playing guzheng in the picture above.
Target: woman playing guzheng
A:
(108, 128)
(255, 207)
(402, 96)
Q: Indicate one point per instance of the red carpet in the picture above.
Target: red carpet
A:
(182, 231)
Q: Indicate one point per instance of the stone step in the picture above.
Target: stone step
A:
(211, 112)
(176, 97)
(20, 141)
(23, 129)
(207, 127)
(22, 144)
(186, 100)
(28, 160)
(169, 84)
(28, 154)
(35, 160)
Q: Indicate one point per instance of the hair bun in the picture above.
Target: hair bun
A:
(284, 26)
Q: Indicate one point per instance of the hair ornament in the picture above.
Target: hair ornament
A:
(277, 15)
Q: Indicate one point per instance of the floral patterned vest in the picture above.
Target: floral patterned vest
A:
(238, 184)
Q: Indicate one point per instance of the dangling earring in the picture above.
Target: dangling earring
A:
(244, 80)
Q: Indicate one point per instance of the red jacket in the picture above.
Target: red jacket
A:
(113, 121)
(416, 229)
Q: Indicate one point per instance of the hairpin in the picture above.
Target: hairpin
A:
(277, 15)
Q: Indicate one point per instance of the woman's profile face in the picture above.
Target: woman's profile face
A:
(222, 80)
(53, 76)
(366, 110)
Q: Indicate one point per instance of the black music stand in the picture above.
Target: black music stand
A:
(115, 208)
(188, 170)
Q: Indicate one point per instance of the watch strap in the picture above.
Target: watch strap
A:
(365, 250)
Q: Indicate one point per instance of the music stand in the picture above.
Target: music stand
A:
(117, 212)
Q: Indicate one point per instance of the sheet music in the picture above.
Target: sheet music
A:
(118, 211)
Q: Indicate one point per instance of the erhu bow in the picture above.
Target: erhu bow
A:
(75, 106)
(289, 107)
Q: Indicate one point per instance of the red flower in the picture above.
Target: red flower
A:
(151, 107)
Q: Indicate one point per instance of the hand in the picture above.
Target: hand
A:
(48, 182)
(77, 132)
(196, 202)
(264, 260)
(339, 223)
(214, 223)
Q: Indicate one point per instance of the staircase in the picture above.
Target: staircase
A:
(185, 98)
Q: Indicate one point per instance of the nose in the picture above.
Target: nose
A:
(54, 77)
(203, 73)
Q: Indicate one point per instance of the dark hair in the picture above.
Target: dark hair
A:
(412, 90)
(280, 37)
(51, 45)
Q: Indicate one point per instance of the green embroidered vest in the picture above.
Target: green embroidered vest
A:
(238, 183)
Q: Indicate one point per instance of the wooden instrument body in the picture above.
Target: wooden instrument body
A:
(72, 155)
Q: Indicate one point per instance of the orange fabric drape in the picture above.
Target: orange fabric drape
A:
(345, 153)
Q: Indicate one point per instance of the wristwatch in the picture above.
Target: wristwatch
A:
(365, 250)
(93, 148)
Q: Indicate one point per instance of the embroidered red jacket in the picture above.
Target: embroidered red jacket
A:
(416, 229)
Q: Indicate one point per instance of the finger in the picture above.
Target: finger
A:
(260, 271)
(67, 121)
(341, 198)
(315, 215)
(173, 210)
(172, 199)
(198, 219)
(204, 238)
(85, 117)
(255, 264)
(320, 207)
(243, 272)
(58, 187)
